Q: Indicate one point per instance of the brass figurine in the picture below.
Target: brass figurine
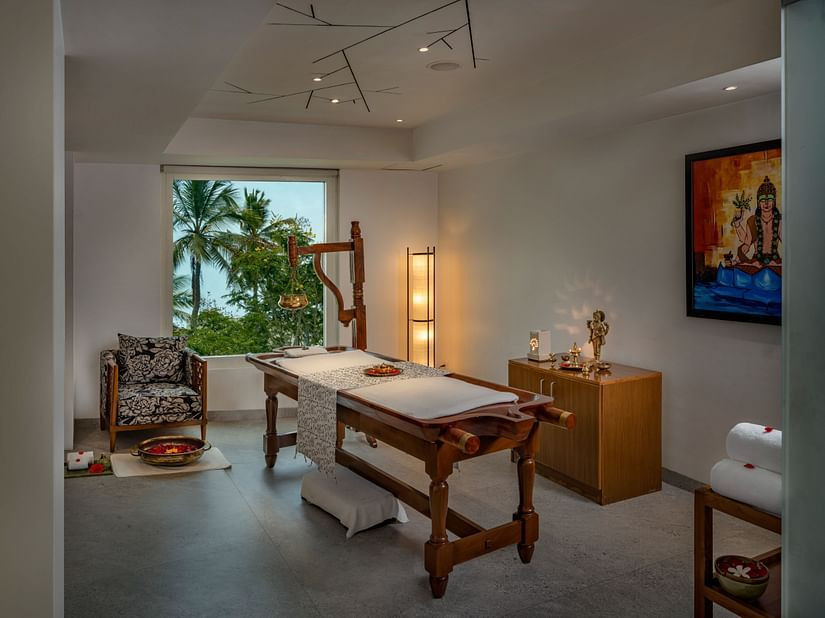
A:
(598, 331)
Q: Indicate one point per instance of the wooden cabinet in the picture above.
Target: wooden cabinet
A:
(615, 450)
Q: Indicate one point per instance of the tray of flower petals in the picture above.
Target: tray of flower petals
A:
(171, 450)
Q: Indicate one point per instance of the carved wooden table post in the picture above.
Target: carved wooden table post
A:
(526, 511)
(438, 558)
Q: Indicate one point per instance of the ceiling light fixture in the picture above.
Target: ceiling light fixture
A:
(729, 88)
(423, 49)
(334, 101)
(317, 79)
(399, 120)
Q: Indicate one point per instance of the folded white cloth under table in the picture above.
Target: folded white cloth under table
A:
(756, 444)
(328, 362)
(426, 398)
(755, 486)
(352, 499)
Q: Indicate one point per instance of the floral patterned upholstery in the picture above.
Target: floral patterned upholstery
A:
(159, 402)
(144, 360)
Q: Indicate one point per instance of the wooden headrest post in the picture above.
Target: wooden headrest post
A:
(358, 311)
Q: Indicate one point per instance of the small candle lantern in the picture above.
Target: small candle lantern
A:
(539, 345)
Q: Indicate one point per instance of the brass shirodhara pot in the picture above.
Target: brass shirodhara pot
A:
(171, 459)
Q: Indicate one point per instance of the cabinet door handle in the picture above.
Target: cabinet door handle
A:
(541, 387)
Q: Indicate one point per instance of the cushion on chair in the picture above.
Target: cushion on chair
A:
(151, 359)
(161, 402)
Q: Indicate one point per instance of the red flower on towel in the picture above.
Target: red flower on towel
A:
(768, 429)
(96, 468)
(749, 466)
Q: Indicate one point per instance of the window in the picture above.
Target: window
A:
(229, 261)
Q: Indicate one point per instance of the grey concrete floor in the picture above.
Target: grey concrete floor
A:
(241, 542)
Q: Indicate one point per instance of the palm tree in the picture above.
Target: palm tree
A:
(200, 211)
(255, 227)
(181, 298)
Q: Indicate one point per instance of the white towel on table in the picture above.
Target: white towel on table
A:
(328, 362)
(750, 443)
(426, 398)
(755, 486)
(310, 351)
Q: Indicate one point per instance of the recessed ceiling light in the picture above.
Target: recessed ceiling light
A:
(317, 79)
(399, 120)
(443, 66)
(423, 49)
(334, 101)
(729, 88)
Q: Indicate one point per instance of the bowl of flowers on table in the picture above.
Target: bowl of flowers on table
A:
(171, 450)
(382, 370)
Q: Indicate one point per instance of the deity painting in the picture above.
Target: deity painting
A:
(734, 233)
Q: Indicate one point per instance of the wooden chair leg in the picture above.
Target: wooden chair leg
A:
(112, 440)
(203, 431)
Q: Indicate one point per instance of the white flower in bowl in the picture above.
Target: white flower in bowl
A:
(740, 571)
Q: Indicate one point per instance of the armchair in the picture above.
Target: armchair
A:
(148, 404)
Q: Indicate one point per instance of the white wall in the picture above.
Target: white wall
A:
(119, 275)
(120, 272)
(803, 539)
(396, 210)
(32, 311)
(543, 239)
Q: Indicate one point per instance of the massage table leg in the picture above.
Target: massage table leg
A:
(271, 446)
(438, 559)
(526, 511)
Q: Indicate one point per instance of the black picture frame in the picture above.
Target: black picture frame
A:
(690, 256)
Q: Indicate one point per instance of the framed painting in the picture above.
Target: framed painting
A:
(734, 233)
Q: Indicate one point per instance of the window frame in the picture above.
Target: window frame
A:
(171, 173)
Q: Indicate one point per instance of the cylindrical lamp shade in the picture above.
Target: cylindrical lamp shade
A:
(421, 307)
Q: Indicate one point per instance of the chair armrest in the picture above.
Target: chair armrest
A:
(196, 370)
(109, 376)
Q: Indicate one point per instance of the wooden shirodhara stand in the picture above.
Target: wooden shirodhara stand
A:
(438, 442)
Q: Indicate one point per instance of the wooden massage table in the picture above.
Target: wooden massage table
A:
(438, 441)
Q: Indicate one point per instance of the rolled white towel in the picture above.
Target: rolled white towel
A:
(747, 483)
(756, 444)
(310, 351)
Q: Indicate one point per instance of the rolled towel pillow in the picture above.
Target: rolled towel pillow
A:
(310, 351)
(757, 444)
(747, 483)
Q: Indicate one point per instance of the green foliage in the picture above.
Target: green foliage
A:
(200, 212)
(741, 202)
(256, 265)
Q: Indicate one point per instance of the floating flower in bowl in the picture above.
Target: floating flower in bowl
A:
(742, 577)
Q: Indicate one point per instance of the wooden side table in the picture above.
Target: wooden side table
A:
(706, 589)
(615, 452)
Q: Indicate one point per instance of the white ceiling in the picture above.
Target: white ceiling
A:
(166, 81)
(518, 39)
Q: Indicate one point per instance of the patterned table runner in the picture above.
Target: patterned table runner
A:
(317, 405)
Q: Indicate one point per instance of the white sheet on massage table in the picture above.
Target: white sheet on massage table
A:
(327, 362)
(426, 398)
